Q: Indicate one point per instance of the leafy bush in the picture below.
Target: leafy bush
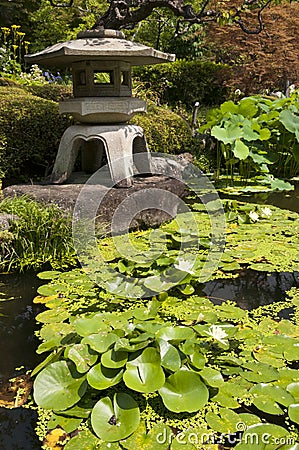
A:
(258, 135)
(31, 129)
(50, 91)
(38, 236)
(165, 130)
(184, 82)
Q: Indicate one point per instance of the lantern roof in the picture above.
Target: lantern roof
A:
(95, 45)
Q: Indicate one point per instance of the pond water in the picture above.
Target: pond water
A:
(17, 325)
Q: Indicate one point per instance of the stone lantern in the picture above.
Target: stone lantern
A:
(101, 62)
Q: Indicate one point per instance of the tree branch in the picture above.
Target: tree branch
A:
(62, 5)
(259, 18)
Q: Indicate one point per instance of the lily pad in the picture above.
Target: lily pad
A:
(184, 392)
(100, 377)
(82, 356)
(144, 373)
(115, 421)
(58, 386)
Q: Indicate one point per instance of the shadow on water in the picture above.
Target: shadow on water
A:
(282, 199)
(18, 345)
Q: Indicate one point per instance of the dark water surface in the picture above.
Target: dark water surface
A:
(18, 345)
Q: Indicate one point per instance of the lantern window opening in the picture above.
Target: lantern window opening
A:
(125, 78)
(103, 77)
(80, 77)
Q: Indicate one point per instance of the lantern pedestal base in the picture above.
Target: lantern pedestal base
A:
(114, 145)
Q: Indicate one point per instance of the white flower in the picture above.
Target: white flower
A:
(266, 212)
(217, 333)
(184, 266)
(254, 216)
(238, 92)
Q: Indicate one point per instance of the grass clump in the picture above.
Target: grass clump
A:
(39, 235)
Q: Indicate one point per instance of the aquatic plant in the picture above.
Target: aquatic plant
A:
(177, 367)
(257, 135)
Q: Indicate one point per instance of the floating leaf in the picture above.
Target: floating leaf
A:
(100, 342)
(82, 356)
(113, 422)
(293, 411)
(100, 377)
(114, 359)
(170, 357)
(85, 439)
(175, 333)
(58, 386)
(184, 391)
(144, 373)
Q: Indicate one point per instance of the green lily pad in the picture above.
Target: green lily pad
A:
(100, 377)
(158, 436)
(114, 359)
(293, 389)
(144, 373)
(212, 377)
(85, 439)
(226, 422)
(170, 357)
(113, 422)
(175, 333)
(82, 356)
(294, 412)
(68, 424)
(100, 342)
(262, 436)
(86, 326)
(58, 386)
(184, 391)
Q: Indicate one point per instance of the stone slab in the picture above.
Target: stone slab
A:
(65, 196)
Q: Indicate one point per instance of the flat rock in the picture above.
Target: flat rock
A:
(66, 195)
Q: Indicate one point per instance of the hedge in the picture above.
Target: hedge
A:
(30, 131)
(185, 82)
(165, 131)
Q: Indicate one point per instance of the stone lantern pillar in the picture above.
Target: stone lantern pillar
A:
(101, 62)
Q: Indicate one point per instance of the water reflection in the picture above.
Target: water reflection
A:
(252, 289)
(17, 325)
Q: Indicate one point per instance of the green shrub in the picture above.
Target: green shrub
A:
(50, 91)
(31, 129)
(165, 131)
(184, 82)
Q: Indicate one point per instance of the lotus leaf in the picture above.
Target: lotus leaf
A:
(240, 150)
(113, 422)
(100, 377)
(144, 373)
(59, 386)
(184, 392)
